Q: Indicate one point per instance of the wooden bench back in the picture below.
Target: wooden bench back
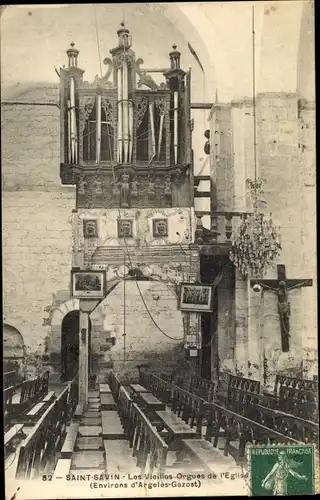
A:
(241, 429)
(159, 387)
(8, 394)
(298, 428)
(265, 410)
(294, 383)
(41, 444)
(115, 384)
(34, 389)
(10, 379)
(124, 407)
(299, 402)
(147, 445)
(190, 407)
(228, 382)
(201, 387)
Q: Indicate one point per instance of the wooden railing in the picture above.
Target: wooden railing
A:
(39, 449)
(223, 226)
(147, 445)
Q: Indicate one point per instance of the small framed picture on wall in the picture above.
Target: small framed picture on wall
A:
(196, 298)
(88, 284)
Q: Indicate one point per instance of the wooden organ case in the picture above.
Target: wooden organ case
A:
(125, 139)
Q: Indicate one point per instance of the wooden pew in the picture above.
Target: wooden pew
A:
(296, 396)
(10, 379)
(124, 408)
(236, 431)
(162, 387)
(184, 420)
(294, 383)
(114, 384)
(11, 436)
(159, 387)
(9, 413)
(38, 450)
(264, 410)
(32, 391)
(148, 447)
(301, 403)
(201, 387)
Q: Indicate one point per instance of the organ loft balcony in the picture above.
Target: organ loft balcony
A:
(126, 137)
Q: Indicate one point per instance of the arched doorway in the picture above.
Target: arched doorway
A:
(70, 345)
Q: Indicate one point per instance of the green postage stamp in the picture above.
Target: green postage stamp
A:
(281, 470)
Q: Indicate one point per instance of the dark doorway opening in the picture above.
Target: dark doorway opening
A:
(70, 345)
(210, 267)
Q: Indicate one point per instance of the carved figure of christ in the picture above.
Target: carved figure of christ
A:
(281, 286)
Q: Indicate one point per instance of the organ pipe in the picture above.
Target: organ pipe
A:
(153, 138)
(119, 156)
(175, 126)
(125, 124)
(160, 134)
(130, 130)
(98, 133)
(73, 124)
(69, 131)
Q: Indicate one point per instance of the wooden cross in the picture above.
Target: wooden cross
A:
(281, 286)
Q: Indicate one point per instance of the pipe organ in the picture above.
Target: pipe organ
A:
(127, 125)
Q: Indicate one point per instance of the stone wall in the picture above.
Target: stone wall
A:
(286, 159)
(138, 323)
(37, 230)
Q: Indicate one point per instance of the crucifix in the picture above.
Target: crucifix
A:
(281, 286)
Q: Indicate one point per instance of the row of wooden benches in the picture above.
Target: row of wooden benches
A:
(20, 398)
(241, 402)
(40, 447)
(10, 378)
(152, 434)
(291, 395)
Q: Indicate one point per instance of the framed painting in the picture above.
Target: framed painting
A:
(88, 284)
(195, 298)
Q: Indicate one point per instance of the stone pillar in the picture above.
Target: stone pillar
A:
(255, 356)
(83, 358)
(241, 345)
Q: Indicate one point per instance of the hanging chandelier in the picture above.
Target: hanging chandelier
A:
(257, 244)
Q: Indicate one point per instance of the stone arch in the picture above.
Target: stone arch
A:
(63, 310)
(13, 343)
(13, 348)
